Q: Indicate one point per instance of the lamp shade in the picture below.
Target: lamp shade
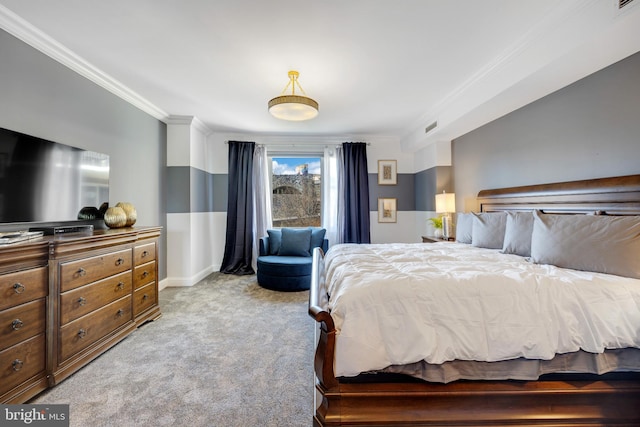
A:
(446, 202)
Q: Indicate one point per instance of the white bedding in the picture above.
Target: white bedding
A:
(396, 304)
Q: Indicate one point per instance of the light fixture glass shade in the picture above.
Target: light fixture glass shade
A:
(291, 106)
(446, 202)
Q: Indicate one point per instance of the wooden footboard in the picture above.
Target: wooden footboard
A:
(318, 302)
(612, 400)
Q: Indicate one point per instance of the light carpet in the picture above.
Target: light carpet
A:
(225, 352)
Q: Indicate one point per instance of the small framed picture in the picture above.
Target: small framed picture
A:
(387, 211)
(387, 172)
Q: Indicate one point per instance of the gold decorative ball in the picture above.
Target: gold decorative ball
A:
(115, 217)
(130, 211)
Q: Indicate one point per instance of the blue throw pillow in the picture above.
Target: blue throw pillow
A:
(317, 237)
(275, 239)
(295, 242)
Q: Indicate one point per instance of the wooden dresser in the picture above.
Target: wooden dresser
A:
(66, 299)
(24, 287)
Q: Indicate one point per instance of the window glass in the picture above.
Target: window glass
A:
(296, 184)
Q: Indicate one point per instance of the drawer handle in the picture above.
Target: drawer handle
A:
(82, 301)
(82, 272)
(120, 313)
(17, 365)
(18, 288)
(119, 261)
(120, 285)
(145, 274)
(145, 254)
(82, 333)
(17, 324)
(145, 297)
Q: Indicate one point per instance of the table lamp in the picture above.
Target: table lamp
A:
(446, 204)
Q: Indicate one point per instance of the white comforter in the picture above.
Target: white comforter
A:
(396, 304)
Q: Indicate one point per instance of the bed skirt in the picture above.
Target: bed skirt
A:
(621, 360)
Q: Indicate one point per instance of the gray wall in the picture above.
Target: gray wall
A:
(430, 182)
(415, 192)
(590, 129)
(404, 191)
(40, 97)
(193, 190)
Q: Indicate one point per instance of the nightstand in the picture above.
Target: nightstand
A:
(434, 239)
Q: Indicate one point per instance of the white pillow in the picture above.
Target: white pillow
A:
(517, 234)
(488, 229)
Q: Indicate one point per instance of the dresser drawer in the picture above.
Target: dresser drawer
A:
(22, 286)
(144, 298)
(144, 274)
(22, 322)
(81, 272)
(144, 253)
(21, 362)
(82, 332)
(85, 299)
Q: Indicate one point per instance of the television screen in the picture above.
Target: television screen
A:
(45, 181)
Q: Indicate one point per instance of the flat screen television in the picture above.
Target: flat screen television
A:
(47, 182)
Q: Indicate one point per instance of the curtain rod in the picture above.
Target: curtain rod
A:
(270, 144)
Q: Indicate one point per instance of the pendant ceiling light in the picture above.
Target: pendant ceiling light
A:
(291, 106)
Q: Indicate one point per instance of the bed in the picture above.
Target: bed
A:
(553, 380)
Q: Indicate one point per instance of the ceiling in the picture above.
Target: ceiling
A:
(387, 68)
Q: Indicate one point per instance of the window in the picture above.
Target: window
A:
(296, 184)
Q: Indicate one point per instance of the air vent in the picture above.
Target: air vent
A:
(433, 125)
(623, 3)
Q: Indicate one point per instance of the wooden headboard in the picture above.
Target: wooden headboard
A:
(613, 196)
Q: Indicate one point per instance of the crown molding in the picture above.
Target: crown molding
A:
(179, 120)
(23, 30)
(192, 121)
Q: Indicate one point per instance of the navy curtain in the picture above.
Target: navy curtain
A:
(238, 248)
(356, 193)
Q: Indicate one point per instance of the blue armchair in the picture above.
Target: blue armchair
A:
(284, 261)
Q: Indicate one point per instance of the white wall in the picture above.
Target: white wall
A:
(406, 230)
(195, 246)
(436, 154)
(388, 149)
(193, 238)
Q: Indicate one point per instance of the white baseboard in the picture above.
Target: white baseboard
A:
(177, 282)
(163, 284)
